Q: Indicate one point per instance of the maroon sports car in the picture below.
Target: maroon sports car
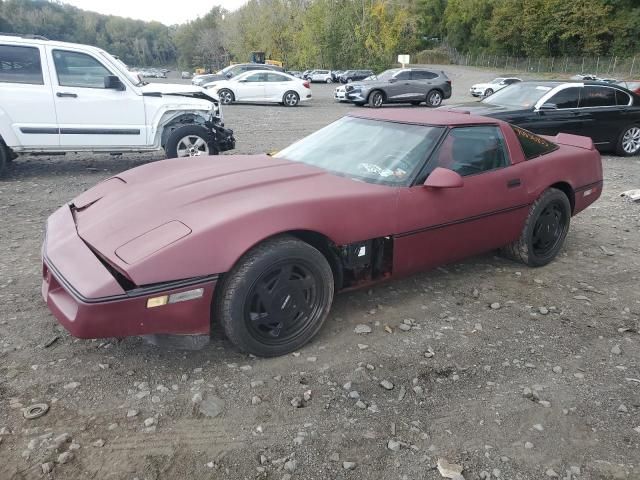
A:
(259, 244)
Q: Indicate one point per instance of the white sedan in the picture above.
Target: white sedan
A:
(262, 86)
(486, 89)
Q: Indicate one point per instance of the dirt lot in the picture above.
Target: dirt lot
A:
(546, 385)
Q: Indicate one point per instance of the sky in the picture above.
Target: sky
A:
(168, 12)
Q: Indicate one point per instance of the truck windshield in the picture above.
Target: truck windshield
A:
(122, 67)
(374, 151)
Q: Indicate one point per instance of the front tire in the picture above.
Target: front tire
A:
(290, 99)
(376, 99)
(276, 298)
(629, 141)
(488, 92)
(226, 96)
(434, 99)
(190, 141)
(544, 231)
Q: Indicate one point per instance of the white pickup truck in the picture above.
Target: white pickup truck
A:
(60, 97)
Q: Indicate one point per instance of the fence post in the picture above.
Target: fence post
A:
(597, 65)
(539, 60)
(633, 62)
(528, 63)
(566, 64)
(582, 69)
(615, 62)
(553, 60)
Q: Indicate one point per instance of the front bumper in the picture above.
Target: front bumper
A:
(223, 136)
(90, 303)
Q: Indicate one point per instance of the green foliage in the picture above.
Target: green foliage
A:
(136, 42)
(345, 33)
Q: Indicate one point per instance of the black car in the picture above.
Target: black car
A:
(335, 75)
(608, 113)
(353, 75)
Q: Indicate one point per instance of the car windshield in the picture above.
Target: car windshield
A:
(387, 74)
(373, 151)
(518, 95)
(123, 68)
(496, 80)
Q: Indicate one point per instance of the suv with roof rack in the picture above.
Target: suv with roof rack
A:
(61, 97)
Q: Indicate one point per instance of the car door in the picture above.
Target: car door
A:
(442, 225)
(560, 114)
(422, 81)
(89, 114)
(275, 86)
(252, 87)
(26, 99)
(603, 118)
(399, 87)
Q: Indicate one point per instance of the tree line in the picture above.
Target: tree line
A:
(344, 33)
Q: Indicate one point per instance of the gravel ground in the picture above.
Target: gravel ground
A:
(510, 372)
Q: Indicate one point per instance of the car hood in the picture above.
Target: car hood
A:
(161, 89)
(208, 211)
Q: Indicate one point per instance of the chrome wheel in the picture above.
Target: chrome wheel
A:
(376, 99)
(226, 97)
(192, 146)
(291, 99)
(434, 99)
(631, 141)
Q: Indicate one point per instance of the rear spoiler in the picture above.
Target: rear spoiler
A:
(574, 141)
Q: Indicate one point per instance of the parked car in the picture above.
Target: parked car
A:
(295, 73)
(323, 76)
(486, 89)
(185, 75)
(261, 86)
(348, 206)
(402, 85)
(607, 113)
(340, 94)
(307, 74)
(199, 80)
(633, 85)
(354, 75)
(63, 97)
(234, 70)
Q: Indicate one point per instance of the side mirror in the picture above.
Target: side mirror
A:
(113, 82)
(444, 178)
(548, 106)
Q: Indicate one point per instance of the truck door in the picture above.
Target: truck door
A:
(90, 114)
(27, 111)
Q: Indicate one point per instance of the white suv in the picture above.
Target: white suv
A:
(63, 97)
(321, 76)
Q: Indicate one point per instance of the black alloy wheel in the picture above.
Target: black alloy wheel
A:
(282, 302)
(549, 229)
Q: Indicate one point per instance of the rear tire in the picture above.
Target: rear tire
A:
(434, 98)
(276, 298)
(190, 141)
(4, 159)
(544, 231)
(629, 141)
(290, 99)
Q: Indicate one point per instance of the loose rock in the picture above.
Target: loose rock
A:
(362, 329)
(386, 384)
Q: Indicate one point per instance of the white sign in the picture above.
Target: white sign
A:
(404, 59)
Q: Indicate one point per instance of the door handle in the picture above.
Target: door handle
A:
(66, 94)
(514, 182)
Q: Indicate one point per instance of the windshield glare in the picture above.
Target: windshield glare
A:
(374, 151)
(519, 95)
